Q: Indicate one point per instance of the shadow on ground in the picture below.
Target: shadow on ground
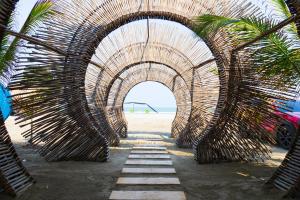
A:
(95, 181)
(70, 180)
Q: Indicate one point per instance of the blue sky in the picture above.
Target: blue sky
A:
(153, 93)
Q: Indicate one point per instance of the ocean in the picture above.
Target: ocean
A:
(144, 109)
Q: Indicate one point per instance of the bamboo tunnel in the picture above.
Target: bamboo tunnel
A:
(79, 65)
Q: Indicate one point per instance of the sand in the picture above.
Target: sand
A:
(95, 181)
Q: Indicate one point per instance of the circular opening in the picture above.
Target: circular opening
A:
(150, 106)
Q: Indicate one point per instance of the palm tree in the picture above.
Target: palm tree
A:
(8, 48)
(276, 55)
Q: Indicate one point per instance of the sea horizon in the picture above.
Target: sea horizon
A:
(148, 110)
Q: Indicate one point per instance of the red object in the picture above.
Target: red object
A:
(291, 117)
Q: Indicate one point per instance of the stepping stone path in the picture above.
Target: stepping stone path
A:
(148, 171)
(149, 152)
(149, 156)
(148, 181)
(149, 162)
(148, 167)
(150, 148)
(146, 195)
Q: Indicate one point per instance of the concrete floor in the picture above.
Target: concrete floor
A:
(95, 181)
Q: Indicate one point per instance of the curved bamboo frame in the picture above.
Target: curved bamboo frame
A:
(67, 129)
(148, 72)
(66, 92)
(14, 178)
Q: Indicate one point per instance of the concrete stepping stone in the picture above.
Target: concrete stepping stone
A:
(149, 162)
(148, 145)
(147, 195)
(149, 156)
(148, 152)
(148, 181)
(145, 136)
(154, 139)
(148, 171)
(150, 148)
(146, 139)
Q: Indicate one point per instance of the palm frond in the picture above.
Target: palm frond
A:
(210, 24)
(273, 56)
(257, 24)
(249, 28)
(283, 9)
(40, 11)
(4, 45)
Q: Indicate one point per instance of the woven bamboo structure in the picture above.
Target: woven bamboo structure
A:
(287, 176)
(159, 48)
(64, 110)
(79, 66)
(148, 72)
(14, 178)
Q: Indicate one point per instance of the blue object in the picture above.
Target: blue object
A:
(5, 102)
(288, 106)
(297, 106)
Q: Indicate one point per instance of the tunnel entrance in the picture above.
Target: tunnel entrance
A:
(150, 106)
(79, 109)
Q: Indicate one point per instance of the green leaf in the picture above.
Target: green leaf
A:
(4, 45)
(275, 56)
(283, 9)
(210, 24)
(41, 11)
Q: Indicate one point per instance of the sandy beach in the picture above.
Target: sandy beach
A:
(91, 181)
(150, 122)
